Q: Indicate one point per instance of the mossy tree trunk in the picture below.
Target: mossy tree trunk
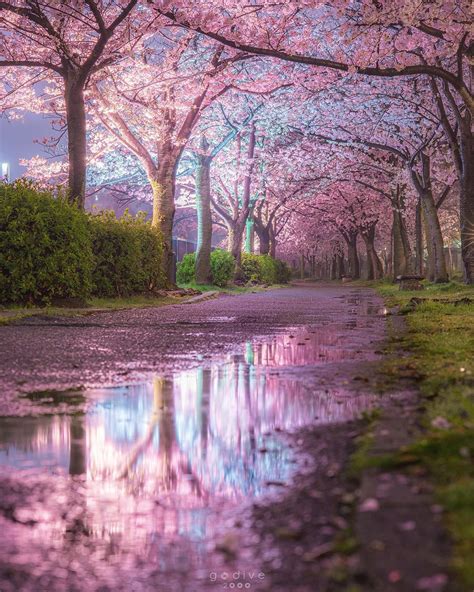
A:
(204, 216)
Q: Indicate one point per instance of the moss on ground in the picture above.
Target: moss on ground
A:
(439, 342)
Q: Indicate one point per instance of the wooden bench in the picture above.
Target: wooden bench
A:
(410, 282)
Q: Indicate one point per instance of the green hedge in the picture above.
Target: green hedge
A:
(185, 271)
(222, 268)
(50, 249)
(127, 255)
(263, 269)
(45, 246)
(258, 269)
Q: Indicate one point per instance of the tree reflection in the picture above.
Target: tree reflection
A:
(154, 457)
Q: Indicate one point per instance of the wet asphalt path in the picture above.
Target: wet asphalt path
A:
(299, 377)
(44, 352)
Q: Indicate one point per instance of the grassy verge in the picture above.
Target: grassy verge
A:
(440, 344)
(14, 313)
(10, 314)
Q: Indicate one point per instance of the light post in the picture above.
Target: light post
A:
(5, 172)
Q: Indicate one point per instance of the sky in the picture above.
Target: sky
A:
(17, 140)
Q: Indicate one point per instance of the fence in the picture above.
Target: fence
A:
(182, 247)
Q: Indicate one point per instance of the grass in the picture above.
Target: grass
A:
(440, 343)
(14, 313)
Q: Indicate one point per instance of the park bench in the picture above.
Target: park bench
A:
(410, 282)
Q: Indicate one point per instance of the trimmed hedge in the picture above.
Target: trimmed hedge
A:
(51, 249)
(127, 255)
(222, 268)
(263, 269)
(45, 246)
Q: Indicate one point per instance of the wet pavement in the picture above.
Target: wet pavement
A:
(137, 446)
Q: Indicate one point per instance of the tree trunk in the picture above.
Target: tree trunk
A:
(401, 252)
(273, 243)
(334, 268)
(76, 140)
(430, 270)
(204, 217)
(235, 239)
(418, 240)
(264, 239)
(302, 267)
(340, 266)
(466, 202)
(434, 240)
(354, 264)
(163, 212)
(78, 447)
(374, 265)
(370, 263)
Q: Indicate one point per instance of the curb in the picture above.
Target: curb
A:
(202, 297)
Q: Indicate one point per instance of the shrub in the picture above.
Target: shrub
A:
(45, 246)
(250, 265)
(127, 254)
(268, 269)
(284, 271)
(185, 273)
(222, 267)
(263, 269)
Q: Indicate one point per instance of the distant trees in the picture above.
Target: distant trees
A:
(357, 133)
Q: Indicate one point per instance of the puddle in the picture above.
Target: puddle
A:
(152, 465)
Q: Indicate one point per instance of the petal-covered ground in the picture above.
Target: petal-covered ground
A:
(185, 447)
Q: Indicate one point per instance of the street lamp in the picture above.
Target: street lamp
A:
(5, 172)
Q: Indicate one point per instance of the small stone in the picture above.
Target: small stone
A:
(394, 576)
(369, 505)
(348, 498)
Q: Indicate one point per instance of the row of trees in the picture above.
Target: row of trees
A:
(319, 128)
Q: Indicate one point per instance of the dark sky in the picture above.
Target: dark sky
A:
(17, 140)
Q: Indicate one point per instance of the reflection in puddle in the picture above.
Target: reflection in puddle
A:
(159, 461)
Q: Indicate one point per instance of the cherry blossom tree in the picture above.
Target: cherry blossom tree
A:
(151, 104)
(383, 39)
(70, 42)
